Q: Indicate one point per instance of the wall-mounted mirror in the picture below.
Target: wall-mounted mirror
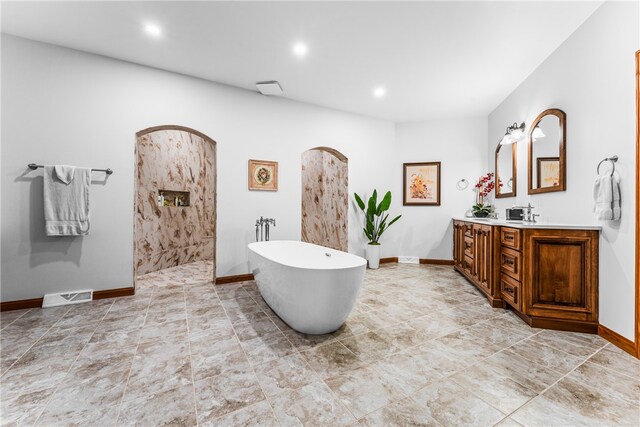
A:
(506, 170)
(547, 152)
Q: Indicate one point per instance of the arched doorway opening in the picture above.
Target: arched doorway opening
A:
(325, 198)
(175, 202)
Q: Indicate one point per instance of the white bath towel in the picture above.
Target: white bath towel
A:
(66, 200)
(606, 195)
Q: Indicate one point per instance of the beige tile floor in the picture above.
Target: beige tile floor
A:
(422, 347)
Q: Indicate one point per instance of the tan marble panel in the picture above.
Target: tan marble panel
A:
(168, 236)
(325, 198)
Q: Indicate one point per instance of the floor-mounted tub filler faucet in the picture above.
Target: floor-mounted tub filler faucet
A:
(262, 228)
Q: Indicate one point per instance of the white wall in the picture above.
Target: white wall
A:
(65, 106)
(592, 78)
(427, 231)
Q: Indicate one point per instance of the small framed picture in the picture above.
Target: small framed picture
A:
(548, 172)
(421, 184)
(263, 175)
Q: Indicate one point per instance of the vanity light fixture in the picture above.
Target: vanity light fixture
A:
(537, 133)
(153, 30)
(507, 139)
(513, 134)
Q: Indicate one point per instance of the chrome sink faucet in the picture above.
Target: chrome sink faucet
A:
(262, 228)
(529, 216)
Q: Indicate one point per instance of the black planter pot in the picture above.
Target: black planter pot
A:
(481, 214)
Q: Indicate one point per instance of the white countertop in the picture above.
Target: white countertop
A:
(522, 224)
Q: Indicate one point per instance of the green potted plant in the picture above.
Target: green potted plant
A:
(481, 211)
(375, 223)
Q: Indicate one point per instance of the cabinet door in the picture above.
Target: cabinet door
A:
(562, 274)
(460, 245)
(457, 234)
(484, 257)
(476, 253)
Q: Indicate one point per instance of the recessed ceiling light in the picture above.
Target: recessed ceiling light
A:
(300, 49)
(153, 30)
(379, 92)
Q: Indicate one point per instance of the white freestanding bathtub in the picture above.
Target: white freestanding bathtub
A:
(311, 288)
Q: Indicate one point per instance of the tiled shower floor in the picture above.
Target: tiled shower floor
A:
(422, 347)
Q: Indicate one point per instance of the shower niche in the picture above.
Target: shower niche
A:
(179, 199)
(325, 198)
(175, 205)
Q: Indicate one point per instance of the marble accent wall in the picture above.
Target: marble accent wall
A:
(167, 236)
(325, 198)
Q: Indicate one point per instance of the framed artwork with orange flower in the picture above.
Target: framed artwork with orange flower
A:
(263, 175)
(421, 184)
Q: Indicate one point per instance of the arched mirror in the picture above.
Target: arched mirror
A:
(547, 152)
(506, 170)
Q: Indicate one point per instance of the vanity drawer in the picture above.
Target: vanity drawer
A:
(467, 264)
(468, 230)
(468, 246)
(510, 237)
(510, 291)
(511, 263)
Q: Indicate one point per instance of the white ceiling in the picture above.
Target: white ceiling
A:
(435, 59)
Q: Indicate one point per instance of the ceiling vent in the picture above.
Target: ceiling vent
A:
(269, 88)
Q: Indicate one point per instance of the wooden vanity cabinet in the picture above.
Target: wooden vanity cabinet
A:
(561, 273)
(474, 256)
(548, 276)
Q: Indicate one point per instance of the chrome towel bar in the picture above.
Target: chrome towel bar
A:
(108, 171)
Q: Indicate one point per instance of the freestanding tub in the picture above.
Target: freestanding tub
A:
(311, 288)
